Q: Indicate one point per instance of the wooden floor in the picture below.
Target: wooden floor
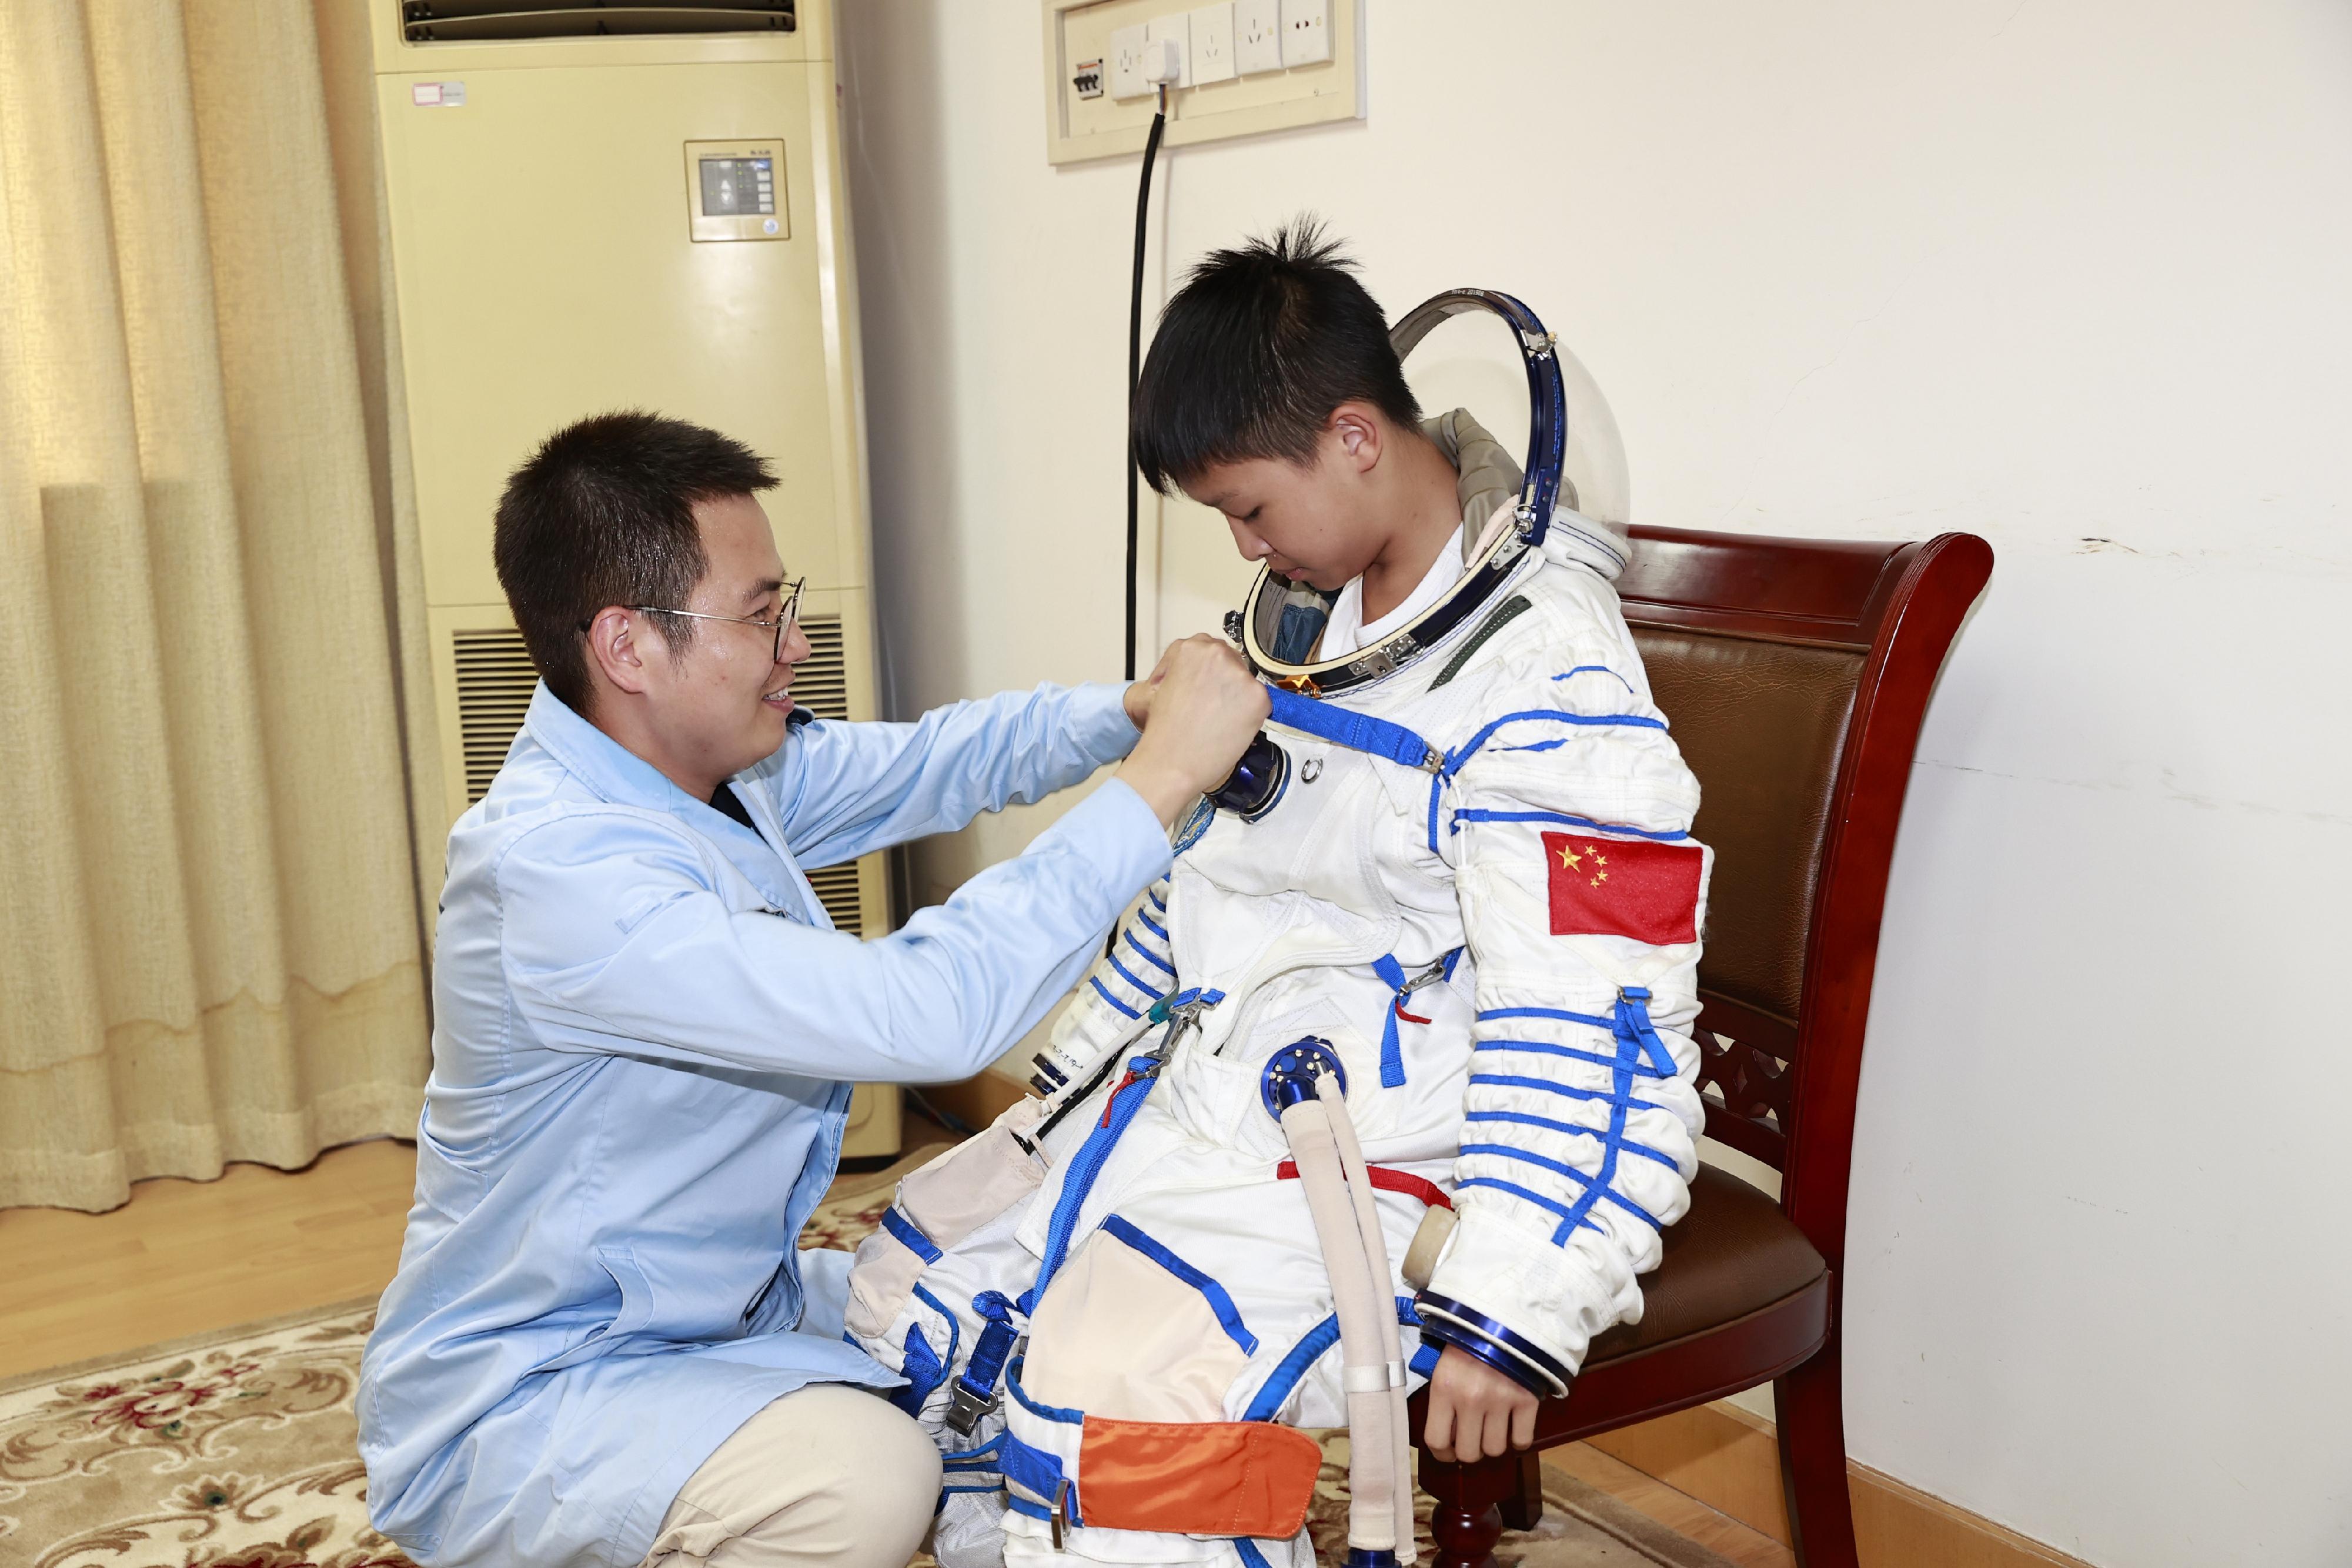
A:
(187, 1258)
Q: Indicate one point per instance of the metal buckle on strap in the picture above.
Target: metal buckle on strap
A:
(1061, 1501)
(1427, 978)
(1179, 1017)
(965, 1408)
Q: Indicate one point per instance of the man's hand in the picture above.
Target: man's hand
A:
(1205, 709)
(1475, 1412)
(1137, 698)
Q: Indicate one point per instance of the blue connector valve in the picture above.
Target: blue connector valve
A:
(1369, 1557)
(1290, 1077)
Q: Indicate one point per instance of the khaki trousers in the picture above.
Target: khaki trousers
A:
(830, 1477)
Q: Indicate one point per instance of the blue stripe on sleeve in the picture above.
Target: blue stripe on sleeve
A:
(1595, 1020)
(1538, 1199)
(1548, 1087)
(1595, 1134)
(1505, 1150)
(1149, 956)
(1124, 974)
(1105, 994)
(1542, 1048)
(1475, 814)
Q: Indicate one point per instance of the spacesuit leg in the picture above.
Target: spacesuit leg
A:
(1197, 1313)
(931, 1297)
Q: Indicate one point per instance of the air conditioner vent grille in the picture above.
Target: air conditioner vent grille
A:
(837, 889)
(469, 21)
(494, 680)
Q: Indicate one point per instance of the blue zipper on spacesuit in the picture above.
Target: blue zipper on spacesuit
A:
(1179, 1012)
(1142, 1072)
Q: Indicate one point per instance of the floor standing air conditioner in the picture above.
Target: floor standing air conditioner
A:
(626, 206)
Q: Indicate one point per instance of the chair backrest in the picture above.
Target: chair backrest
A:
(1795, 674)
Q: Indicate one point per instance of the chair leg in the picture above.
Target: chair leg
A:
(1523, 1510)
(1810, 1407)
(1468, 1517)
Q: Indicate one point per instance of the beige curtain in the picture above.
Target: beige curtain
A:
(213, 950)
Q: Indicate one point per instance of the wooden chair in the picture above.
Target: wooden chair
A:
(1795, 674)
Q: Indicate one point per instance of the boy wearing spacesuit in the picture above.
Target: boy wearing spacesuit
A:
(1390, 1080)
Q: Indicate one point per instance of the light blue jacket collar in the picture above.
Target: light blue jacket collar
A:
(613, 772)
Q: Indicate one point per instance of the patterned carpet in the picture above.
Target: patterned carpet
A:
(237, 1451)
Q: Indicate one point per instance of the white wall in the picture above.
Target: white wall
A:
(2070, 275)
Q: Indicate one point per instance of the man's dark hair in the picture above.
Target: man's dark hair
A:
(602, 514)
(1257, 348)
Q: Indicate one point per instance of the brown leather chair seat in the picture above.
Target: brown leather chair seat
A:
(1734, 1253)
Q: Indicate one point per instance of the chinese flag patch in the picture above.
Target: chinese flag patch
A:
(1623, 887)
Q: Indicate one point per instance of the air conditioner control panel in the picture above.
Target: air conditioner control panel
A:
(735, 190)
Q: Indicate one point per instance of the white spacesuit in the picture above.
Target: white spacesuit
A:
(1474, 904)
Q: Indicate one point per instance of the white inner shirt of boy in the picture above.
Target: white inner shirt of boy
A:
(1345, 631)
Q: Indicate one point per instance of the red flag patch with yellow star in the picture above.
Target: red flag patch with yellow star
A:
(1623, 887)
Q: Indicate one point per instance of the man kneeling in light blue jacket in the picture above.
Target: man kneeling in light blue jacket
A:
(602, 1347)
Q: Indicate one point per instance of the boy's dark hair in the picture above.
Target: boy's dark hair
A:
(1257, 348)
(602, 514)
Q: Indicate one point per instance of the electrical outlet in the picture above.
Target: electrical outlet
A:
(1127, 64)
(1305, 32)
(1257, 35)
(1177, 29)
(1213, 44)
(1087, 79)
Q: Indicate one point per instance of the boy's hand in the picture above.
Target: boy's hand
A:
(1475, 1412)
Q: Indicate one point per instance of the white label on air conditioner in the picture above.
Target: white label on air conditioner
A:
(437, 94)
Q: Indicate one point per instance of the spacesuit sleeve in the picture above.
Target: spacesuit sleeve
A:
(1583, 896)
(1111, 1004)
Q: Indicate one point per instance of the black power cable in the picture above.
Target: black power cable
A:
(1135, 369)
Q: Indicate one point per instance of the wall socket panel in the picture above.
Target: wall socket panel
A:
(1257, 35)
(1305, 32)
(1213, 45)
(1249, 65)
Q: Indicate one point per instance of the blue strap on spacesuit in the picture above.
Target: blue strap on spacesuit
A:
(1356, 731)
(1637, 1043)
(923, 1367)
(975, 1389)
(1393, 977)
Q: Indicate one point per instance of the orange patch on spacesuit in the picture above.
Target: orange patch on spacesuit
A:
(1198, 1478)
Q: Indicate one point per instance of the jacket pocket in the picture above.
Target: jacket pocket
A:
(633, 1316)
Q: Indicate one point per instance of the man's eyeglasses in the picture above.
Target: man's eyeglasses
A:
(785, 619)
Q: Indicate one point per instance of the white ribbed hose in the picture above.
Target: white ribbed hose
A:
(1363, 1306)
(1376, 1255)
